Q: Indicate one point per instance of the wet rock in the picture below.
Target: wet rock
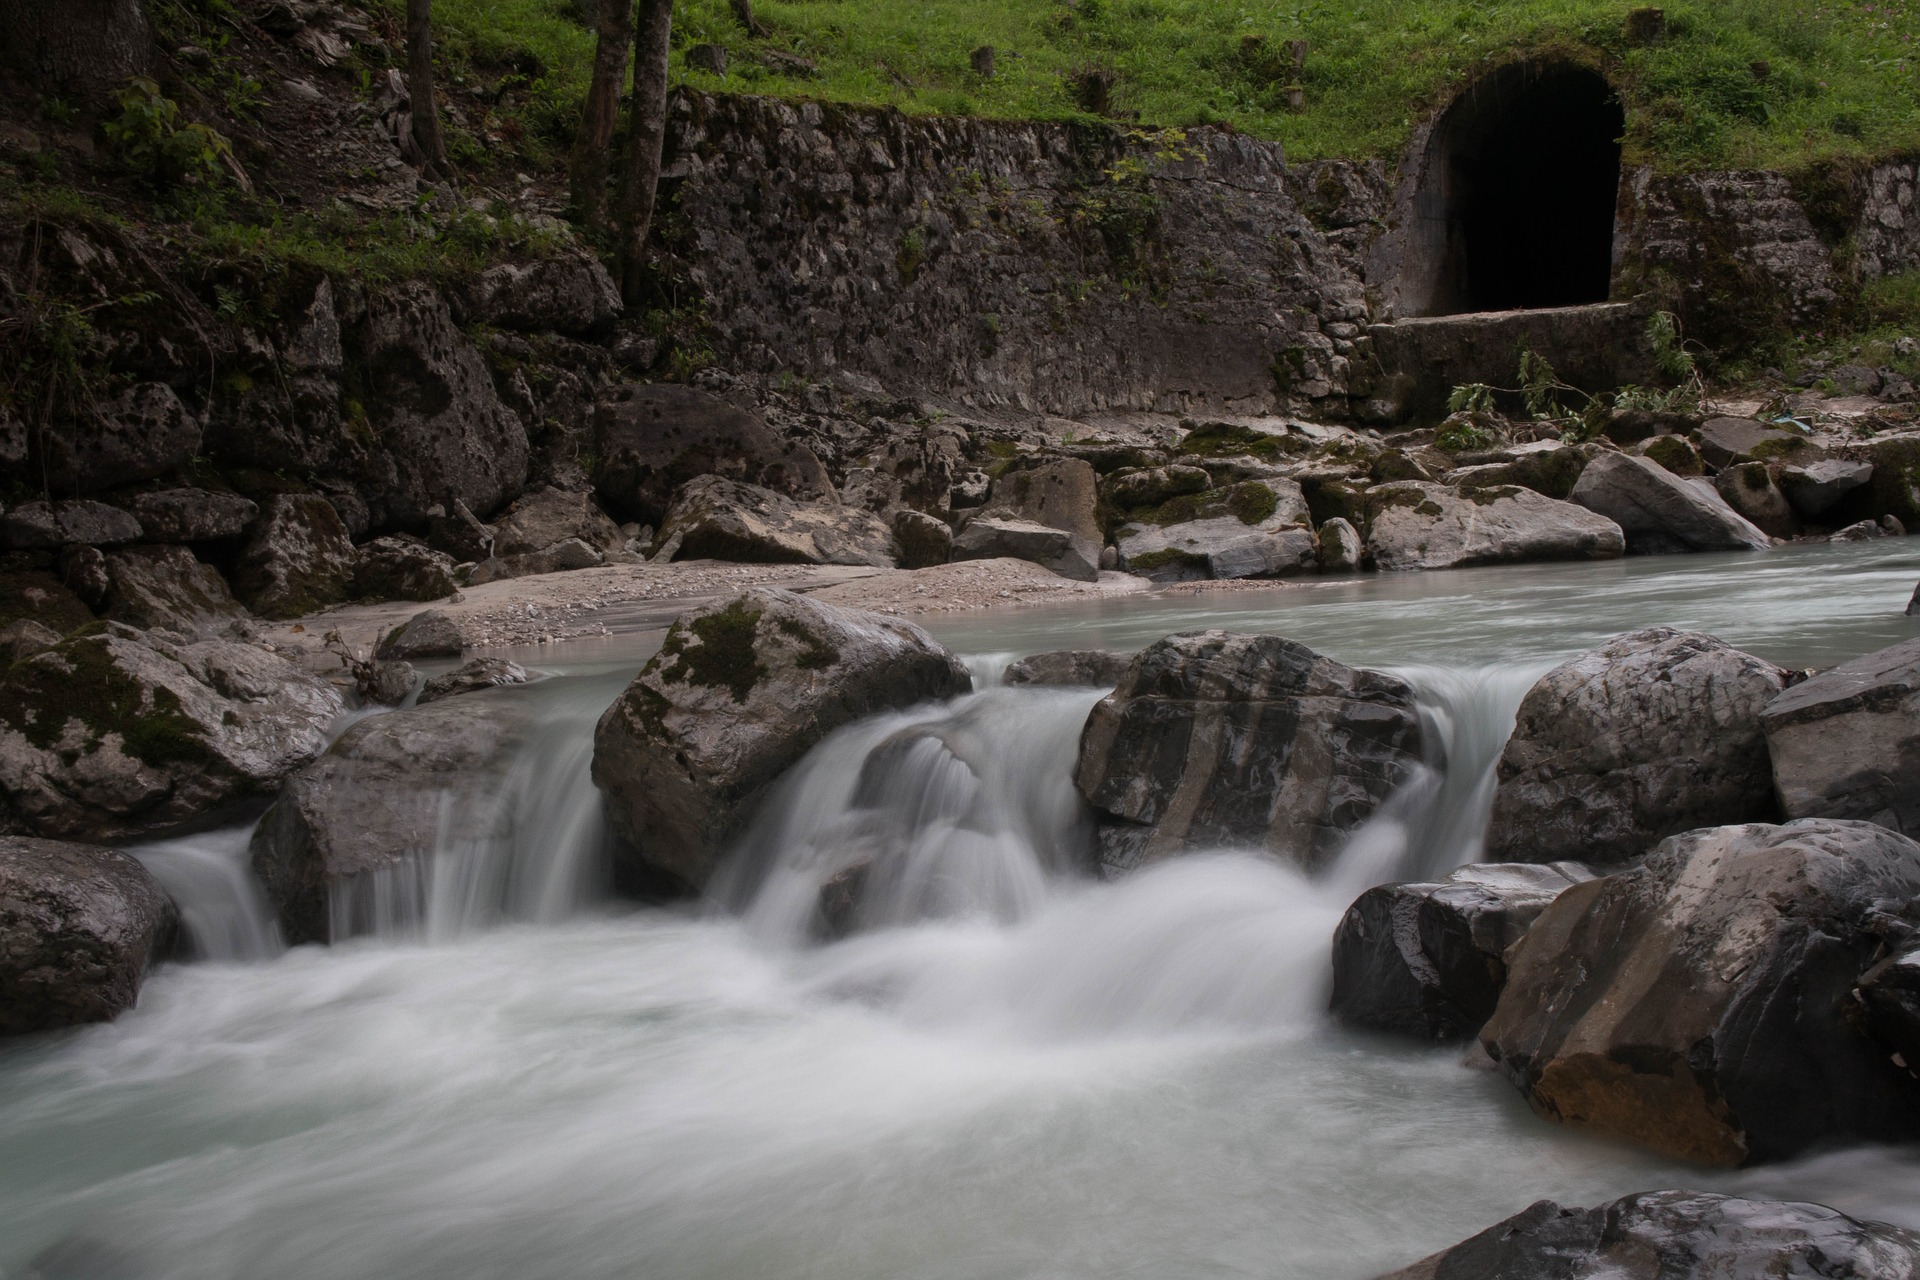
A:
(1846, 743)
(1340, 547)
(192, 515)
(167, 587)
(1056, 493)
(1676, 1235)
(652, 439)
(561, 557)
(1697, 1004)
(1659, 512)
(1088, 668)
(921, 540)
(1431, 526)
(299, 559)
(1428, 959)
(1215, 739)
(737, 694)
(1146, 488)
(1749, 489)
(118, 734)
(22, 638)
(384, 797)
(385, 682)
(1725, 441)
(49, 525)
(1256, 529)
(1889, 993)
(1813, 487)
(142, 433)
(401, 568)
(570, 294)
(716, 519)
(998, 537)
(1862, 531)
(427, 634)
(1655, 732)
(481, 673)
(79, 928)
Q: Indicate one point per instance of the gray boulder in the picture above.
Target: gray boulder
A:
(921, 540)
(1659, 512)
(1088, 668)
(1862, 531)
(717, 519)
(427, 634)
(1256, 529)
(544, 517)
(22, 638)
(167, 587)
(1699, 1004)
(143, 432)
(1846, 743)
(1748, 488)
(37, 526)
(1428, 960)
(1003, 537)
(119, 733)
(1813, 487)
(1889, 993)
(79, 928)
(1677, 1235)
(1416, 525)
(1143, 488)
(401, 568)
(561, 557)
(1053, 493)
(1655, 732)
(737, 694)
(474, 677)
(299, 559)
(1725, 441)
(42, 598)
(1548, 469)
(1340, 547)
(571, 293)
(391, 791)
(192, 515)
(1217, 739)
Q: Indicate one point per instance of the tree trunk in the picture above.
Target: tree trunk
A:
(77, 49)
(592, 153)
(426, 113)
(645, 137)
(743, 12)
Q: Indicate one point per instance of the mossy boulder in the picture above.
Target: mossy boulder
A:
(1256, 529)
(1433, 526)
(738, 693)
(1672, 452)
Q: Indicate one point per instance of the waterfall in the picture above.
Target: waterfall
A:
(223, 914)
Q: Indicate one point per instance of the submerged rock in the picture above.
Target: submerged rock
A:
(1655, 732)
(1846, 743)
(1217, 739)
(1089, 668)
(119, 733)
(1698, 1004)
(1659, 512)
(1416, 525)
(299, 559)
(738, 693)
(717, 519)
(1428, 959)
(79, 928)
(1677, 1235)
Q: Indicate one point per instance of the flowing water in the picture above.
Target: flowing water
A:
(1002, 1069)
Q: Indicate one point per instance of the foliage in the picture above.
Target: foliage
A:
(1470, 397)
(1460, 433)
(146, 134)
(1580, 414)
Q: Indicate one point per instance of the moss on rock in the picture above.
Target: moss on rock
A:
(724, 658)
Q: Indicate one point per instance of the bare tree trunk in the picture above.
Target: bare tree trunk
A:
(646, 136)
(593, 152)
(426, 112)
(743, 12)
(80, 49)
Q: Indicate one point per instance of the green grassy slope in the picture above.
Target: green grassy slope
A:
(1767, 83)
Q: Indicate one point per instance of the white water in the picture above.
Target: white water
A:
(1008, 1071)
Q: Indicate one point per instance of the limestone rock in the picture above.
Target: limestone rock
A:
(652, 439)
(117, 734)
(34, 526)
(1416, 525)
(1218, 739)
(1054, 493)
(79, 928)
(192, 515)
(167, 587)
(1813, 487)
(571, 294)
(1749, 489)
(544, 517)
(475, 676)
(922, 540)
(1091, 668)
(562, 557)
(1549, 469)
(299, 559)
(998, 537)
(1655, 732)
(1862, 531)
(22, 638)
(1255, 529)
(41, 598)
(1428, 959)
(143, 432)
(1846, 743)
(401, 568)
(1340, 547)
(1725, 441)
(1676, 1235)
(1135, 489)
(1697, 1003)
(427, 634)
(737, 694)
(1658, 511)
(717, 519)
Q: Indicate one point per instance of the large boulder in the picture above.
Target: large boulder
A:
(167, 587)
(1749, 488)
(1677, 1235)
(1007, 538)
(299, 559)
(1653, 733)
(141, 433)
(115, 733)
(1846, 743)
(401, 568)
(921, 540)
(387, 795)
(651, 439)
(1256, 529)
(1415, 525)
(37, 526)
(1072, 668)
(1340, 547)
(737, 694)
(562, 557)
(1812, 488)
(192, 515)
(1218, 739)
(427, 634)
(717, 519)
(1699, 1004)
(1144, 488)
(1658, 511)
(31, 596)
(1726, 441)
(1429, 959)
(79, 928)
(1546, 468)
(1052, 493)
(570, 293)
(544, 517)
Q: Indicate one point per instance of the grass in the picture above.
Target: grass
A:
(1765, 83)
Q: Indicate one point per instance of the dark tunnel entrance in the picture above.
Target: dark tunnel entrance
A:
(1516, 210)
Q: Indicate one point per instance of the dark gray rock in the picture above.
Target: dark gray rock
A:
(1862, 531)
(1653, 733)
(1428, 959)
(1137, 489)
(1889, 993)
(571, 293)
(1677, 1235)
(22, 638)
(717, 519)
(561, 557)
(401, 568)
(1699, 1003)
(475, 676)
(1813, 487)
(387, 682)
(1846, 743)
(1748, 488)
(192, 515)
(79, 928)
(1002, 537)
(737, 694)
(921, 540)
(167, 587)
(1217, 739)
(143, 432)
(84, 570)
(1089, 668)
(34, 526)
(1658, 511)
(538, 520)
(1550, 470)
(1725, 441)
(427, 634)
(299, 559)
(1340, 547)
(1414, 525)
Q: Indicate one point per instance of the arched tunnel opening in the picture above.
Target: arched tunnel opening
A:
(1518, 194)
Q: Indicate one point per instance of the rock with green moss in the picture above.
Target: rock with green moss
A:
(1134, 489)
(1725, 441)
(35, 596)
(1749, 488)
(299, 559)
(1432, 526)
(737, 694)
(713, 518)
(1672, 452)
(1894, 488)
(1546, 467)
(1340, 547)
(1256, 529)
(116, 733)
(167, 587)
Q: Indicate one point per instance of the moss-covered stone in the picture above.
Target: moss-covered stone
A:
(1675, 454)
(1227, 440)
(78, 680)
(724, 658)
(41, 598)
(1171, 556)
(816, 654)
(1252, 502)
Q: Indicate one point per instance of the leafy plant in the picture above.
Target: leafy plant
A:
(146, 134)
(1470, 397)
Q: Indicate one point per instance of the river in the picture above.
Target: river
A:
(1010, 1071)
